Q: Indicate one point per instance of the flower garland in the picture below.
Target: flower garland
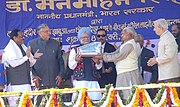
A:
(88, 101)
(124, 102)
(2, 102)
(174, 97)
(84, 103)
(160, 99)
(115, 99)
(132, 103)
(104, 97)
(132, 92)
(60, 100)
(146, 103)
(45, 98)
(168, 96)
(5, 102)
(18, 100)
(140, 98)
(53, 98)
(159, 94)
(56, 104)
(77, 102)
(25, 101)
(52, 102)
(109, 98)
(81, 97)
(136, 101)
(144, 99)
(76, 97)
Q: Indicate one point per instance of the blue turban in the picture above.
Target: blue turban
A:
(84, 30)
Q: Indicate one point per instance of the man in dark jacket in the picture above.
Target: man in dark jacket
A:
(48, 70)
(149, 73)
(176, 32)
(108, 74)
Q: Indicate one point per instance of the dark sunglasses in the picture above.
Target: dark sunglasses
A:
(101, 35)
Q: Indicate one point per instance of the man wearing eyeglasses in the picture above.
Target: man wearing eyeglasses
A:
(49, 69)
(108, 74)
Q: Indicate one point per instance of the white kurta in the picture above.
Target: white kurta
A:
(16, 88)
(13, 56)
(84, 84)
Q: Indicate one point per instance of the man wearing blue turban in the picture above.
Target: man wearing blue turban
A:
(86, 72)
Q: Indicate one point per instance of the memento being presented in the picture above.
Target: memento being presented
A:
(89, 50)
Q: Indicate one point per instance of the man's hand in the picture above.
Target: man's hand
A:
(5, 71)
(78, 58)
(115, 46)
(108, 70)
(37, 55)
(152, 61)
(96, 60)
(100, 57)
(36, 80)
(28, 51)
(58, 80)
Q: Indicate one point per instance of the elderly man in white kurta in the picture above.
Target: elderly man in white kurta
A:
(167, 60)
(126, 60)
(85, 69)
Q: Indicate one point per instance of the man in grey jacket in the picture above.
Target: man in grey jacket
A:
(48, 70)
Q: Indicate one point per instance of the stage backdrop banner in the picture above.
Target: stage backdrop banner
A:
(66, 17)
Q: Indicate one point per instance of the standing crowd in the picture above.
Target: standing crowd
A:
(129, 64)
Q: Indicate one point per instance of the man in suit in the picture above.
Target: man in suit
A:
(49, 69)
(108, 74)
(149, 73)
(167, 60)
